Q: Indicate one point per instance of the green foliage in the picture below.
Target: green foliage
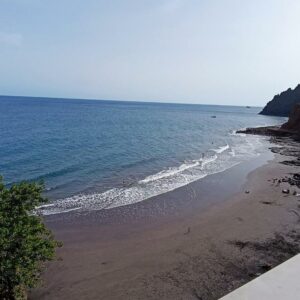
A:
(25, 243)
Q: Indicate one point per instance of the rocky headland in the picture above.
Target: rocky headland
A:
(289, 129)
(283, 103)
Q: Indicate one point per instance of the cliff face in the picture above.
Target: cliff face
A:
(282, 104)
(289, 129)
(293, 124)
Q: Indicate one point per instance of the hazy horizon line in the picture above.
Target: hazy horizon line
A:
(133, 101)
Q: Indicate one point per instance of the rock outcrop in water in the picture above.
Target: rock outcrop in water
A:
(282, 104)
(268, 131)
(290, 128)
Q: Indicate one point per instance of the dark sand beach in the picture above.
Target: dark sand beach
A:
(200, 241)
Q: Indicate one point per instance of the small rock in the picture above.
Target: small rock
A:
(247, 192)
(295, 193)
(265, 267)
(286, 191)
(297, 176)
(188, 231)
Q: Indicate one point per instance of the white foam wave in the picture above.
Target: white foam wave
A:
(45, 205)
(221, 149)
(170, 172)
(235, 132)
(161, 182)
(209, 160)
(232, 152)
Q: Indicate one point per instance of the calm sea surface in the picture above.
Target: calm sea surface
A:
(103, 154)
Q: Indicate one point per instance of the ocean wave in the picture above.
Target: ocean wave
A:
(44, 209)
(221, 149)
(232, 152)
(153, 185)
(161, 182)
(45, 205)
(235, 132)
(170, 172)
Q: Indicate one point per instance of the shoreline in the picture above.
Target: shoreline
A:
(197, 250)
(200, 194)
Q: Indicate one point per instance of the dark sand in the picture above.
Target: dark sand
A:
(197, 242)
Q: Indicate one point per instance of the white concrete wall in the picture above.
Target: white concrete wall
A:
(280, 283)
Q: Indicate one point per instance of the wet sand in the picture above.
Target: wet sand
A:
(197, 242)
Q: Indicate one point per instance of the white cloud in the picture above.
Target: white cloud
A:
(11, 39)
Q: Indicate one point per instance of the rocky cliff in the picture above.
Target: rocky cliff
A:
(293, 124)
(291, 128)
(282, 104)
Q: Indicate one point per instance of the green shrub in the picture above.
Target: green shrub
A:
(25, 242)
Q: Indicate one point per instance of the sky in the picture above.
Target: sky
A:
(189, 51)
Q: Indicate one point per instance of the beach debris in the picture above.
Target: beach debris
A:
(293, 181)
(296, 213)
(295, 193)
(239, 244)
(188, 231)
(277, 247)
(197, 295)
(267, 202)
(265, 267)
(247, 192)
(285, 191)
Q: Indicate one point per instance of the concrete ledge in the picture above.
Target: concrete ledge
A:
(280, 283)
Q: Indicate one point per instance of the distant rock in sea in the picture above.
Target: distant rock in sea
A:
(282, 104)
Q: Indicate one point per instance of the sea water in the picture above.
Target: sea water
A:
(94, 154)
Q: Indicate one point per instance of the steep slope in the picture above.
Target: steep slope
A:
(293, 123)
(282, 104)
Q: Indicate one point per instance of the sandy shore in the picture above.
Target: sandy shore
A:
(198, 242)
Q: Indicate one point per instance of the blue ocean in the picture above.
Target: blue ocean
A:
(94, 154)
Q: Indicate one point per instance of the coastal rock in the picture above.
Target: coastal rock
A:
(290, 128)
(293, 123)
(267, 131)
(282, 104)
